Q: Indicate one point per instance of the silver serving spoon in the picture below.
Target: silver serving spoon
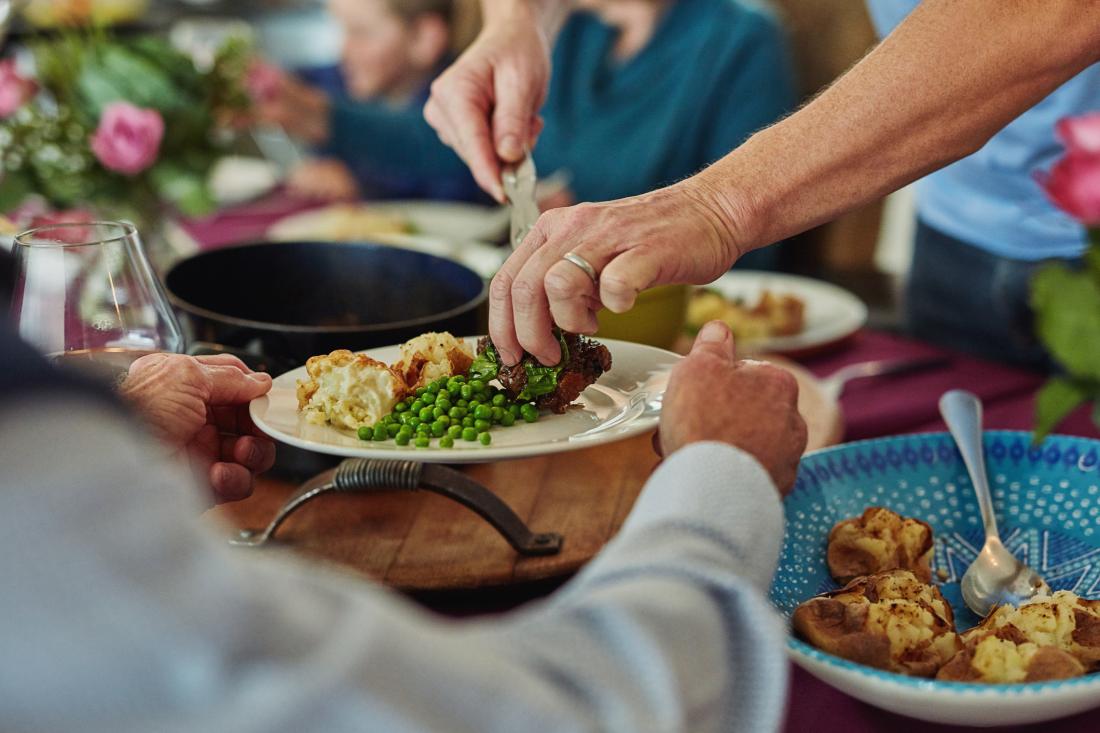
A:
(996, 576)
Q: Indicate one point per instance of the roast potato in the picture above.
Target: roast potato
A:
(877, 541)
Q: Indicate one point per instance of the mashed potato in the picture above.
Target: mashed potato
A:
(878, 541)
(430, 356)
(348, 390)
(890, 620)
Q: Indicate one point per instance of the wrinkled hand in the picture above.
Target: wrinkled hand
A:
(200, 405)
(485, 106)
(672, 235)
(749, 404)
(323, 179)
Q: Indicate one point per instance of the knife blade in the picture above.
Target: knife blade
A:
(519, 188)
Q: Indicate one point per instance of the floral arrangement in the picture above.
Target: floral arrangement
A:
(1066, 300)
(119, 126)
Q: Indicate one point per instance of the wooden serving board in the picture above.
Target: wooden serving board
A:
(419, 541)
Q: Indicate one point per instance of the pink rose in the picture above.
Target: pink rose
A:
(1081, 134)
(14, 89)
(1073, 184)
(263, 81)
(128, 138)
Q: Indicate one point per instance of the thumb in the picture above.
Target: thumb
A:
(231, 386)
(516, 108)
(715, 338)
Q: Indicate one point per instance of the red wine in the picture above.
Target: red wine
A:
(105, 364)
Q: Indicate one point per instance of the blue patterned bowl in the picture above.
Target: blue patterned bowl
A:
(1048, 510)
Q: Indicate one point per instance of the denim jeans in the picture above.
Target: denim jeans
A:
(964, 298)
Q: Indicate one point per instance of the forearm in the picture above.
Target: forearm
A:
(546, 15)
(936, 89)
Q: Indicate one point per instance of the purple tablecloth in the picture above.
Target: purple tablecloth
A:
(908, 404)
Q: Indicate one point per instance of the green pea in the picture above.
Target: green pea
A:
(415, 423)
(422, 441)
(482, 425)
(416, 406)
(507, 419)
(428, 399)
(421, 392)
(438, 412)
(426, 413)
(446, 442)
(405, 417)
(455, 431)
(454, 390)
(443, 403)
(393, 429)
(433, 388)
(474, 404)
(439, 429)
(380, 433)
(469, 434)
(467, 422)
(401, 406)
(466, 391)
(457, 413)
(515, 410)
(405, 430)
(365, 432)
(529, 412)
(483, 412)
(498, 414)
(402, 438)
(477, 385)
(499, 400)
(485, 438)
(463, 403)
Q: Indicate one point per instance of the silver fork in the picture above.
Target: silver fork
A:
(834, 384)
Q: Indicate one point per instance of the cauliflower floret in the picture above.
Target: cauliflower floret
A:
(430, 356)
(348, 390)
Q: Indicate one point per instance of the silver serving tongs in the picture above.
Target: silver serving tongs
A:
(519, 181)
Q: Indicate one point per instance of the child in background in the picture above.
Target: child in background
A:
(392, 51)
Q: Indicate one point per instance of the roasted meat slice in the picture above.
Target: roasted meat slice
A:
(556, 387)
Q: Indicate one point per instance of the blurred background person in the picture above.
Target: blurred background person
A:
(984, 224)
(646, 92)
(359, 115)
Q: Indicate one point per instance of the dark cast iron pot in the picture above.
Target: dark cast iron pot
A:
(276, 304)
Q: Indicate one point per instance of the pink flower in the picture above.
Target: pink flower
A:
(1073, 184)
(263, 81)
(14, 89)
(128, 138)
(1081, 134)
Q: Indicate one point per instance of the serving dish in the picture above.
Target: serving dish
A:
(624, 402)
(1048, 508)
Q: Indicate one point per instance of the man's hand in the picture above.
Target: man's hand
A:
(296, 107)
(486, 104)
(748, 404)
(673, 235)
(200, 405)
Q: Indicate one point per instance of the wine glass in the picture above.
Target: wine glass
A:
(87, 297)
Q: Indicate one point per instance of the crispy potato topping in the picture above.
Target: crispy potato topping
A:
(877, 541)
(431, 356)
(348, 390)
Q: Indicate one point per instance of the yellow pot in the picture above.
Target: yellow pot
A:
(657, 318)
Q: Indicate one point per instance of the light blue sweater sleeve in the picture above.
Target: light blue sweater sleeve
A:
(125, 612)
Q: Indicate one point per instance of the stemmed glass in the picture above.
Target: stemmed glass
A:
(87, 297)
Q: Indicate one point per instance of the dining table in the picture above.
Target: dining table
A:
(556, 492)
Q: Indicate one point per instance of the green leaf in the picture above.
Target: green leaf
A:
(486, 365)
(1057, 398)
(14, 188)
(184, 189)
(1067, 317)
(543, 379)
(116, 73)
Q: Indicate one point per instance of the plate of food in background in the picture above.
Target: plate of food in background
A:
(776, 313)
(443, 399)
(460, 232)
(878, 536)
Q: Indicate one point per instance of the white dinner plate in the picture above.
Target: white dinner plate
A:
(832, 313)
(236, 179)
(626, 401)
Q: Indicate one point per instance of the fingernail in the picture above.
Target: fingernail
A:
(713, 333)
(261, 377)
(509, 147)
(507, 357)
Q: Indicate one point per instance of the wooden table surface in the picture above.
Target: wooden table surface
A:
(421, 541)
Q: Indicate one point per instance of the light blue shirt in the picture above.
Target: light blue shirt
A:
(123, 612)
(991, 199)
